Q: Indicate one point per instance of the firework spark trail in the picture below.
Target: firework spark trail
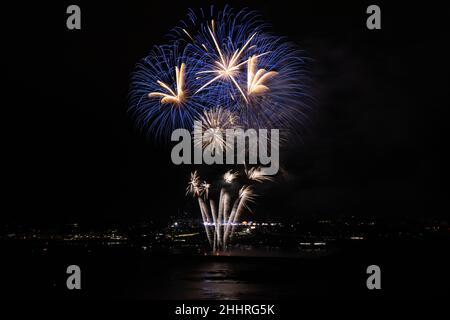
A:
(213, 210)
(220, 216)
(231, 218)
(227, 67)
(257, 174)
(247, 196)
(228, 178)
(215, 223)
(205, 218)
(177, 96)
(226, 206)
(209, 219)
(256, 81)
(197, 189)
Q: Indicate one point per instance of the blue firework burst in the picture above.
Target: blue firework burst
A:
(222, 45)
(158, 101)
(230, 60)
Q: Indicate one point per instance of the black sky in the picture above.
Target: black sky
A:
(375, 144)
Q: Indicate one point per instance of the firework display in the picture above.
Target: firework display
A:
(221, 210)
(227, 71)
(227, 59)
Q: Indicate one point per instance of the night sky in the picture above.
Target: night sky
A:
(374, 145)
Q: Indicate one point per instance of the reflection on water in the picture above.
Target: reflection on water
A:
(228, 280)
(272, 274)
(214, 280)
(252, 274)
(219, 281)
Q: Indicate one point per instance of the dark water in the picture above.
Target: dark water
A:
(409, 269)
